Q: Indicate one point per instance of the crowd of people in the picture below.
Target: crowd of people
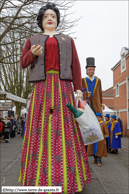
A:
(9, 127)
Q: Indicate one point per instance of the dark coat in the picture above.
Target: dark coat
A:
(8, 125)
(13, 127)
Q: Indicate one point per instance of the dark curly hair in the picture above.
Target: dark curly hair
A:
(41, 13)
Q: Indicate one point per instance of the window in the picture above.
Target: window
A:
(123, 64)
(117, 90)
(123, 59)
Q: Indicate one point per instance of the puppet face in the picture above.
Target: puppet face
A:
(49, 21)
(90, 71)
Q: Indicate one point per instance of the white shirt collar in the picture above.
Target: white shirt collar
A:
(92, 78)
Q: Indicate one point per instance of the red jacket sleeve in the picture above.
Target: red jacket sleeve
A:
(76, 68)
(27, 57)
(1, 126)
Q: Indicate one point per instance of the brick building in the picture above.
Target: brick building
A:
(121, 89)
(108, 98)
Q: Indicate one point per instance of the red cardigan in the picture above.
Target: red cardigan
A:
(28, 58)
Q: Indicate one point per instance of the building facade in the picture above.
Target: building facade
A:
(121, 89)
(108, 98)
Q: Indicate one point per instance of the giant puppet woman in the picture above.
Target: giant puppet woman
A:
(53, 153)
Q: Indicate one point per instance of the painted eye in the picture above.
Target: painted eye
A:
(53, 16)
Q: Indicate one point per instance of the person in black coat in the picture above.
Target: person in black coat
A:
(7, 129)
(22, 125)
(13, 127)
(121, 125)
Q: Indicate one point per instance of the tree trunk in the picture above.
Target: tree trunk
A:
(18, 108)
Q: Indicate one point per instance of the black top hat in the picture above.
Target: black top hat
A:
(90, 61)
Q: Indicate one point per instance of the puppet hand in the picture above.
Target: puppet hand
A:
(36, 50)
(103, 106)
(79, 93)
(116, 136)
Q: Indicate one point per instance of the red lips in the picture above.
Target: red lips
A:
(49, 22)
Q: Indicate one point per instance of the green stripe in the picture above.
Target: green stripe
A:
(41, 144)
(49, 153)
(32, 109)
(19, 180)
(53, 71)
(83, 166)
(49, 139)
(63, 146)
(79, 186)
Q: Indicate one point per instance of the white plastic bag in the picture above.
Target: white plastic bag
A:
(89, 125)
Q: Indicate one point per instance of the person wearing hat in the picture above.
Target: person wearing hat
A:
(92, 90)
(114, 140)
(99, 149)
(107, 118)
(108, 121)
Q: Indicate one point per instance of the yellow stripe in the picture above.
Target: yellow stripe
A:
(49, 152)
(83, 166)
(19, 180)
(112, 127)
(118, 133)
(114, 122)
(65, 184)
(53, 71)
(86, 84)
(95, 84)
(41, 144)
(49, 139)
(32, 109)
(77, 172)
(101, 122)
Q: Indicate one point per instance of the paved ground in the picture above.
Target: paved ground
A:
(111, 178)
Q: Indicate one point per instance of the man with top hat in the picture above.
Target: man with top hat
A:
(114, 140)
(99, 149)
(108, 121)
(91, 85)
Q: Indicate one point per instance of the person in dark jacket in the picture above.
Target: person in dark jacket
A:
(121, 125)
(2, 120)
(18, 124)
(1, 128)
(7, 129)
(13, 126)
(22, 125)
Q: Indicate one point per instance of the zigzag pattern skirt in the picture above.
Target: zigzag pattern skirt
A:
(53, 153)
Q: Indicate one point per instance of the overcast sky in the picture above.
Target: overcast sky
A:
(101, 33)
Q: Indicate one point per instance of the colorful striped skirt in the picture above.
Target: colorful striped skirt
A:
(53, 152)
